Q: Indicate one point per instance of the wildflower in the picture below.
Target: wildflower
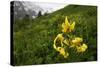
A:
(59, 39)
(82, 48)
(67, 27)
(77, 40)
(62, 52)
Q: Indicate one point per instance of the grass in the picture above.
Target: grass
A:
(33, 38)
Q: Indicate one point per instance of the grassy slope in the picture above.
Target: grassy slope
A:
(33, 39)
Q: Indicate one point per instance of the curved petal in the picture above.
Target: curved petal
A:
(61, 38)
(82, 48)
(72, 26)
(66, 21)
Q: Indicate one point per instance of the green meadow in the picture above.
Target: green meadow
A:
(33, 38)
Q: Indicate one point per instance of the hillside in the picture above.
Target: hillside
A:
(33, 38)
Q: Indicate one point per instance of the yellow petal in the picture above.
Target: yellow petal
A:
(66, 21)
(64, 30)
(54, 46)
(67, 24)
(82, 48)
(66, 42)
(63, 25)
(60, 36)
(62, 43)
(77, 40)
(72, 26)
(62, 51)
(66, 55)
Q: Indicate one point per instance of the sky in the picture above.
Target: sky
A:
(50, 7)
(47, 7)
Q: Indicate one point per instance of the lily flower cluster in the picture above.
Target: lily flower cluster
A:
(69, 41)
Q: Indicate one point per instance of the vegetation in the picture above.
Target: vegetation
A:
(33, 39)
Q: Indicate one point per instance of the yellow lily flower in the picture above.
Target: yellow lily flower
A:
(62, 52)
(77, 40)
(67, 27)
(58, 38)
(60, 42)
(82, 48)
(60, 49)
